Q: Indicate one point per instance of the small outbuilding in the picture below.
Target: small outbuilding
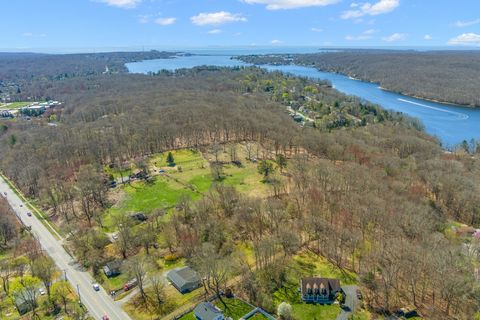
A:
(184, 279)
(207, 311)
(112, 268)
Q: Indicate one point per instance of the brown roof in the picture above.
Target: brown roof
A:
(316, 282)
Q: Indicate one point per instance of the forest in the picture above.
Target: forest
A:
(376, 198)
(445, 76)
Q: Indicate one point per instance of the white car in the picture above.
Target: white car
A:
(41, 291)
(96, 287)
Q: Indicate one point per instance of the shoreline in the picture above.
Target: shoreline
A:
(352, 77)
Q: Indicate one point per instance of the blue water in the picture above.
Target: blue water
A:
(451, 124)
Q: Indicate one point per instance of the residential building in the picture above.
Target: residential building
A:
(207, 311)
(319, 290)
(184, 279)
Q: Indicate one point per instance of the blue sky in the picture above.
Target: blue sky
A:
(99, 24)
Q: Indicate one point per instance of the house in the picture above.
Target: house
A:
(25, 301)
(207, 311)
(112, 268)
(319, 290)
(184, 279)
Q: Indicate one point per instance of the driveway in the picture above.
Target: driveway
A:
(351, 302)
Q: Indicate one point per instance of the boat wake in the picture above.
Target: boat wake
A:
(461, 116)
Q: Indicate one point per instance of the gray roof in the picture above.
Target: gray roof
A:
(182, 276)
(207, 311)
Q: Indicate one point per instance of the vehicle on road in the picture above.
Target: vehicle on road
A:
(96, 287)
(105, 317)
(41, 291)
(21, 206)
(29, 214)
(5, 193)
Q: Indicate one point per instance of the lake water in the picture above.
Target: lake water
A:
(451, 124)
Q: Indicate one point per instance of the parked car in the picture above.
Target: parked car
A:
(96, 287)
(105, 317)
(29, 214)
(359, 295)
(41, 291)
(130, 284)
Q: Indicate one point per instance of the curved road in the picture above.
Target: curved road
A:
(98, 303)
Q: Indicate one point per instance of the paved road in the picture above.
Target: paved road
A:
(97, 303)
(351, 302)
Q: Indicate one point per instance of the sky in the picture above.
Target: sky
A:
(93, 25)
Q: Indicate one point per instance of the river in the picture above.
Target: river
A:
(451, 124)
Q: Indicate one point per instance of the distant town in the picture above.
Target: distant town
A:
(26, 109)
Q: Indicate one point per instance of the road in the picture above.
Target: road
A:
(98, 303)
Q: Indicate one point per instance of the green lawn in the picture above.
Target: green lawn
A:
(235, 308)
(113, 283)
(186, 159)
(315, 312)
(146, 197)
(188, 316)
(118, 173)
(15, 105)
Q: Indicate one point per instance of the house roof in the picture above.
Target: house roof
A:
(207, 311)
(182, 276)
(114, 265)
(316, 282)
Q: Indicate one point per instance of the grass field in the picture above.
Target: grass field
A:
(14, 105)
(235, 308)
(145, 197)
(190, 177)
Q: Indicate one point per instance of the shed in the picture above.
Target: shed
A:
(184, 279)
(207, 311)
(112, 268)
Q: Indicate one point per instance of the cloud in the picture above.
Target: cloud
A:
(276, 42)
(427, 37)
(466, 39)
(165, 21)
(357, 38)
(215, 31)
(291, 4)
(368, 9)
(367, 34)
(144, 18)
(461, 24)
(33, 35)
(216, 18)
(316, 30)
(127, 4)
(395, 37)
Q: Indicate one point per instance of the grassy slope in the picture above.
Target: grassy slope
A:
(192, 180)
